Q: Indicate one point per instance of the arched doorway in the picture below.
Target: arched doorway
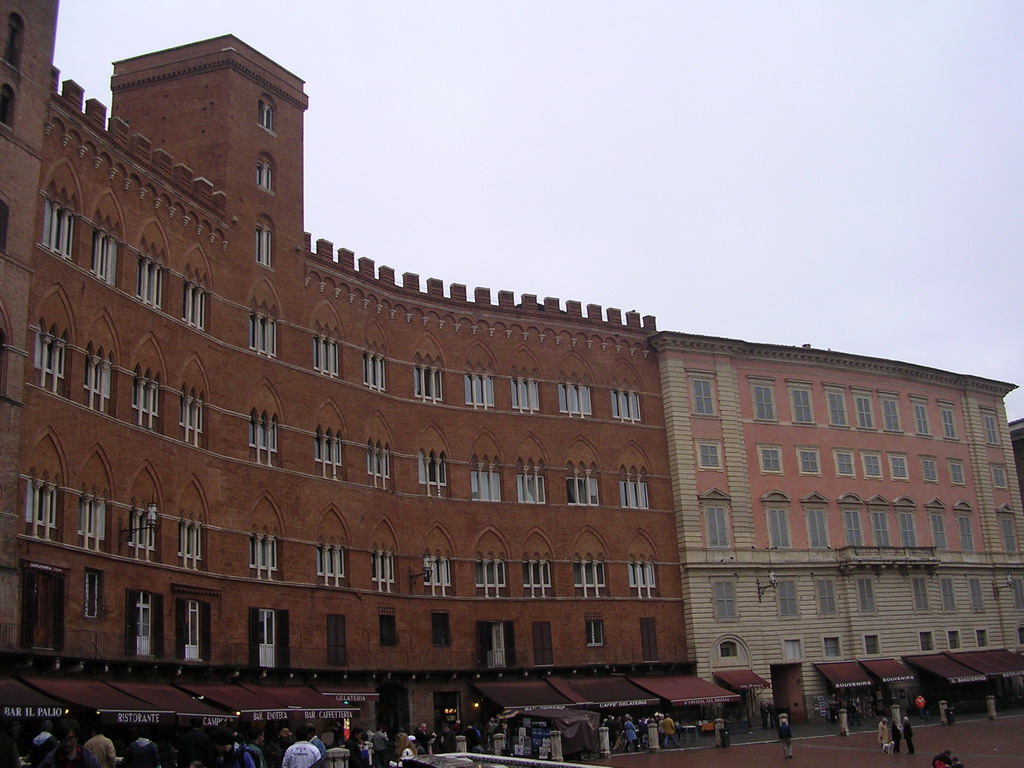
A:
(393, 708)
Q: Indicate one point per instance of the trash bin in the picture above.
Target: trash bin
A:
(950, 715)
(725, 737)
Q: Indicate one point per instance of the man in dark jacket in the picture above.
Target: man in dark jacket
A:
(196, 745)
(43, 744)
(68, 754)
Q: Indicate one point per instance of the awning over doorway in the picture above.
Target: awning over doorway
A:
(685, 690)
(523, 694)
(307, 703)
(741, 679)
(845, 674)
(603, 692)
(167, 697)
(888, 670)
(250, 706)
(995, 663)
(20, 701)
(943, 666)
(112, 705)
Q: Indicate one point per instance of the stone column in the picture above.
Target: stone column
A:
(990, 705)
(719, 727)
(652, 736)
(460, 743)
(336, 757)
(604, 742)
(844, 723)
(556, 746)
(895, 716)
(942, 712)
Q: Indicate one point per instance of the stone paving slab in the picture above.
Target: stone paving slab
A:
(978, 743)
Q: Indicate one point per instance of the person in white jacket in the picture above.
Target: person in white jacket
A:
(303, 753)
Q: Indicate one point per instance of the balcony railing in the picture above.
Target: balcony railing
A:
(887, 557)
(89, 645)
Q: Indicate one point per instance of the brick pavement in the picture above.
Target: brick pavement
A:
(978, 743)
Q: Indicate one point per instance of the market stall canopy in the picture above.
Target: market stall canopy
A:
(685, 690)
(20, 701)
(577, 726)
(995, 663)
(162, 696)
(742, 679)
(845, 674)
(603, 692)
(523, 694)
(888, 670)
(943, 666)
(307, 703)
(112, 705)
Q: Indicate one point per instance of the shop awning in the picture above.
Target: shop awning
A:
(523, 694)
(603, 692)
(307, 703)
(845, 674)
(21, 701)
(741, 679)
(943, 666)
(249, 705)
(888, 670)
(162, 697)
(995, 663)
(348, 693)
(685, 690)
(112, 705)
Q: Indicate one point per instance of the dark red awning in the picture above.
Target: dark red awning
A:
(184, 706)
(603, 692)
(250, 706)
(888, 670)
(112, 705)
(348, 693)
(523, 694)
(685, 690)
(995, 663)
(20, 701)
(845, 674)
(943, 666)
(741, 679)
(307, 703)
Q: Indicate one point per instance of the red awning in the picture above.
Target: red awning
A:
(523, 694)
(112, 705)
(685, 690)
(943, 666)
(348, 693)
(888, 670)
(845, 674)
(168, 697)
(603, 692)
(307, 703)
(996, 663)
(250, 706)
(741, 679)
(20, 701)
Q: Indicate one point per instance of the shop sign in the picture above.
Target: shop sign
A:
(32, 711)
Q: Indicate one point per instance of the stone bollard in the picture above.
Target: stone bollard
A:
(990, 705)
(556, 746)
(719, 727)
(460, 743)
(336, 757)
(942, 712)
(604, 742)
(844, 723)
(653, 742)
(498, 743)
(894, 714)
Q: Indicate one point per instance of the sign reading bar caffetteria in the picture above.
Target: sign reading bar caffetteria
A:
(30, 711)
(266, 715)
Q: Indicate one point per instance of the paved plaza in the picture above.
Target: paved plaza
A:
(979, 743)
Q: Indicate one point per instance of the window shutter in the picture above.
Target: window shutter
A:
(483, 642)
(58, 612)
(158, 625)
(281, 651)
(131, 627)
(510, 642)
(205, 648)
(336, 639)
(180, 614)
(648, 639)
(254, 637)
(28, 607)
(542, 650)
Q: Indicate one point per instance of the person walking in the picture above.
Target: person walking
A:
(908, 735)
(897, 734)
(142, 753)
(922, 707)
(786, 737)
(102, 747)
(630, 730)
(883, 733)
(303, 753)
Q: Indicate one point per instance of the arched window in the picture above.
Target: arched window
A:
(15, 33)
(264, 174)
(327, 451)
(433, 471)
(6, 105)
(378, 463)
(262, 437)
(265, 114)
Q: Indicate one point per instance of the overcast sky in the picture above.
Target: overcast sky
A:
(844, 174)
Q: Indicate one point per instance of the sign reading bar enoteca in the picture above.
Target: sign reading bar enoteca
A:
(266, 715)
(32, 711)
